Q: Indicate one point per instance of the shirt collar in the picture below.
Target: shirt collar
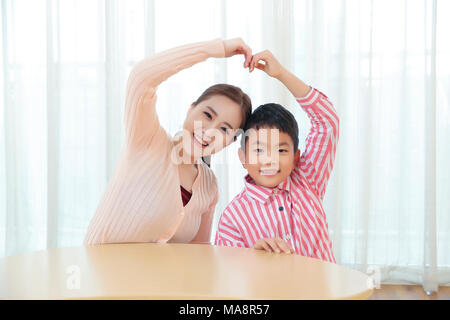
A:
(262, 194)
(286, 184)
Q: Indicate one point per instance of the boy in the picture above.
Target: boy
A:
(280, 208)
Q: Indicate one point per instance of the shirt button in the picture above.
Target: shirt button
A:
(281, 208)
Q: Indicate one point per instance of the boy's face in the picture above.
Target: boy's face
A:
(269, 156)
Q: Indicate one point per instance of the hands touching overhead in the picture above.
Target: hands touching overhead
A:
(264, 60)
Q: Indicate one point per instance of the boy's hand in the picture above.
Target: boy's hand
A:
(271, 65)
(273, 245)
(274, 69)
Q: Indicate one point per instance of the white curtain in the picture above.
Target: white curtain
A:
(384, 64)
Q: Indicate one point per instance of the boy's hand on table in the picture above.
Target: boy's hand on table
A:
(273, 245)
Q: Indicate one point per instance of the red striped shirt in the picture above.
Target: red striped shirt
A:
(293, 210)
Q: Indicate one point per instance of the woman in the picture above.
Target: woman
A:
(151, 197)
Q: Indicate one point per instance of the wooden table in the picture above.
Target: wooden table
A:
(175, 271)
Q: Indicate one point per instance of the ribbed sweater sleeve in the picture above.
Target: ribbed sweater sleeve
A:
(140, 120)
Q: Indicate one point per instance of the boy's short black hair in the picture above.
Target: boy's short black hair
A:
(272, 115)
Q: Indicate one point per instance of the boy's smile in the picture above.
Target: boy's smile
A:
(269, 156)
(269, 172)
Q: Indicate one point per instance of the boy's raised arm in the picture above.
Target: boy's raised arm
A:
(317, 159)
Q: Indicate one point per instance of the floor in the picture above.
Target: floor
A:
(401, 292)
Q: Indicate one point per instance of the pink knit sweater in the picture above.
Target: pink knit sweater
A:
(142, 202)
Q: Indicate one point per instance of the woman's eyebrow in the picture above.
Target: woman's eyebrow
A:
(215, 114)
(229, 125)
(212, 110)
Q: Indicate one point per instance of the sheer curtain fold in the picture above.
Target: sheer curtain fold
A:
(430, 281)
(115, 78)
(53, 116)
(3, 129)
(62, 89)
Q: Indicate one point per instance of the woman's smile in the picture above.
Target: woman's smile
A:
(199, 141)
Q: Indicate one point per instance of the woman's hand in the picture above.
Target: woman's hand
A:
(271, 66)
(273, 245)
(238, 46)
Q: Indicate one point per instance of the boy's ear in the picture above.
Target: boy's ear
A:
(297, 157)
(241, 155)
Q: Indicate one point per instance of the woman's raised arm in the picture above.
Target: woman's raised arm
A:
(141, 121)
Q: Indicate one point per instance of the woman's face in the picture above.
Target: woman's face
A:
(210, 126)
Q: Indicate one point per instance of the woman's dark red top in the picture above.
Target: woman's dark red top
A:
(185, 195)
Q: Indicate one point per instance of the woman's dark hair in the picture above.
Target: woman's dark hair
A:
(235, 94)
(272, 115)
